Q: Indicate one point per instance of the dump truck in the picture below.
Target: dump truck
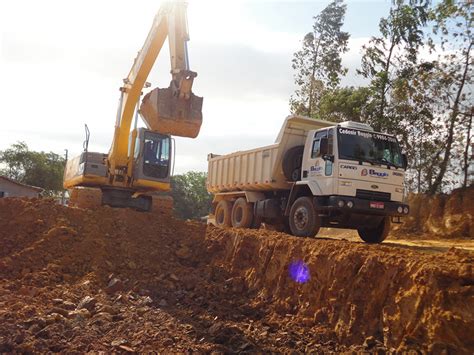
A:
(140, 160)
(316, 174)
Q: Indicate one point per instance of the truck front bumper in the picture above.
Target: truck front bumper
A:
(348, 204)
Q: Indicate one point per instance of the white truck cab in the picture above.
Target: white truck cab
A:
(317, 174)
(349, 161)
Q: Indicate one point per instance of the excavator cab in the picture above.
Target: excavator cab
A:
(152, 157)
(151, 165)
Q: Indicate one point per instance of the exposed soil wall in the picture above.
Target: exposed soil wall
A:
(439, 216)
(400, 297)
(77, 280)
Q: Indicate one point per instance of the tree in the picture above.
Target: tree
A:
(191, 199)
(347, 104)
(453, 23)
(395, 50)
(318, 64)
(414, 105)
(466, 157)
(40, 169)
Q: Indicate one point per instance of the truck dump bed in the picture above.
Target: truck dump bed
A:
(260, 169)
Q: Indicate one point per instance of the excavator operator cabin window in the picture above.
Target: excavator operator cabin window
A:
(156, 155)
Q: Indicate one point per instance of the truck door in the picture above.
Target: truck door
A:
(316, 168)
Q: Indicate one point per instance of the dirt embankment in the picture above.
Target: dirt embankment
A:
(402, 298)
(439, 216)
(120, 280)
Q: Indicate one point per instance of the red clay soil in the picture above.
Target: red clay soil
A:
(445, 216)
(75, 280)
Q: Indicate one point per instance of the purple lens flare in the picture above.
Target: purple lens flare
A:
(299, 271)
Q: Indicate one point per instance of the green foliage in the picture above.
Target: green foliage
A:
(191, 199)
(347, 104)
(427, 104)
(318, 65)
(453, 30)
(39, 169)
(395, 50)
(414, 107)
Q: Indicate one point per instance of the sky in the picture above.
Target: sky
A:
(62, 63)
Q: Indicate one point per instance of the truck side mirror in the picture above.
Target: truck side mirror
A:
(323, 146)
(404, 161)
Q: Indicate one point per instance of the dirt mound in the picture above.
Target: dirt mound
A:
(52, 257)
(439, 216)
(75, 280)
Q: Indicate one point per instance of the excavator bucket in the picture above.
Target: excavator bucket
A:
(168, 114)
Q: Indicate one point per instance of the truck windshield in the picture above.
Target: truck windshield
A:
(368, 146)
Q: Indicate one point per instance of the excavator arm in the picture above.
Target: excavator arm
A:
(174, 110)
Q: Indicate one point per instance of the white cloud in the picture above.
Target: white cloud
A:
(226, 24)
(351, 60)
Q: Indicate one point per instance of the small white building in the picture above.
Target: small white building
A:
(12, 188)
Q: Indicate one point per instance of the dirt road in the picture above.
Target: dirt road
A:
(420, 243)
(75, 280)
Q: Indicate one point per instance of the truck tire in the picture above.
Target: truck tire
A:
(292, 161)
(377, 234)
(223, 213)
(304, 219)
(242, 213)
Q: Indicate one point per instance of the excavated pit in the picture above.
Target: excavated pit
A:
(76, 280)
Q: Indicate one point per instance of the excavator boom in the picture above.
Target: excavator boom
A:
(174, 110)
(140, 160)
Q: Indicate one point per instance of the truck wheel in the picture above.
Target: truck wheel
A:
(223, 213)
(242, 213)
(304, 220)
(377, 234)
(292, 161)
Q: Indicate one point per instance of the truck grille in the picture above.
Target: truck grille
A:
(373, 195)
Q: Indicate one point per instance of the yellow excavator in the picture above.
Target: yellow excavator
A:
(140, 160)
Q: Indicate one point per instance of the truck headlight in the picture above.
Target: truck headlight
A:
(399, 190)
(400, 209)
(350, 204)
(345, 183)
(405, 210)
(340, 203)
